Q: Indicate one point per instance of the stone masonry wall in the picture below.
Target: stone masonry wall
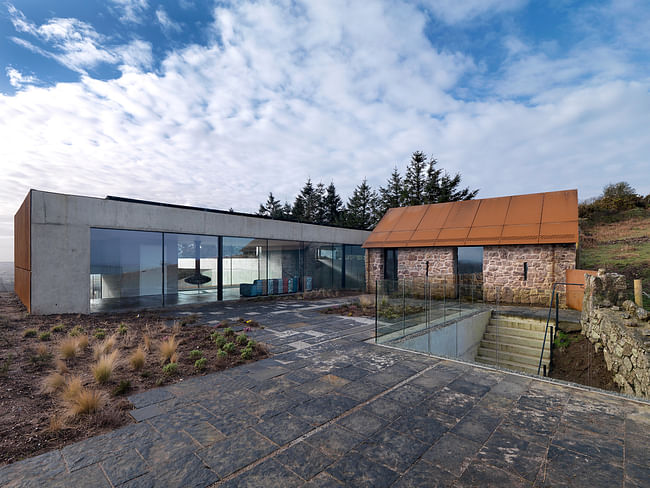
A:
(374, 268)
(503, 272)
(620, 329)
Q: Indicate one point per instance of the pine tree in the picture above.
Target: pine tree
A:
(392, 195)
(332, 206)
(449, 192)
(319, 210)
(415, 179)
(272, 208)
(361, 210)
(432, 184)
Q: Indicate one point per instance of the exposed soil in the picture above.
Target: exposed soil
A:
(580, 363)
(351, 310)
(32, 422)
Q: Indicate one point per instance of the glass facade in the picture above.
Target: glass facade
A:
(138, 269)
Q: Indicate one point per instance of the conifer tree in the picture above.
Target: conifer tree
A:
(332, 206)
(392, 195)
(272, 208)
(415, 179)
(361, 212)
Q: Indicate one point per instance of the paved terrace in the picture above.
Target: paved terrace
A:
(331, 410)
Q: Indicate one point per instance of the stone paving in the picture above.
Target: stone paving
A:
(330, 410)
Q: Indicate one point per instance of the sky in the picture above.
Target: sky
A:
(218, 103)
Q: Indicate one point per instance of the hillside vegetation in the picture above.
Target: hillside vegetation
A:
(615, 235)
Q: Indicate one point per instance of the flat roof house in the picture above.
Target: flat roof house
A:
(76, 254)
(517, 246)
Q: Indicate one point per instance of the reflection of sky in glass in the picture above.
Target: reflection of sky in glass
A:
(470, 260)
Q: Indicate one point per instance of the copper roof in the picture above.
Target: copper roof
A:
(538, 218)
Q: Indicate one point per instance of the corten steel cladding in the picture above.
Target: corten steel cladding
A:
(575, 294)
(538, 218)
(22, 252)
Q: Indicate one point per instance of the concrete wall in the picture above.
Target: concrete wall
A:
(60, 235)
(458, 340)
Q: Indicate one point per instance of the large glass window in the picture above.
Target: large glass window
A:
(323, 266)
(355, 267)
(244, 267)
(191, 268)
(470, 260)
(285, 266)
(125, 263)
(390, 264)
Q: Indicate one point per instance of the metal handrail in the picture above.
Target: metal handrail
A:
(548, 318)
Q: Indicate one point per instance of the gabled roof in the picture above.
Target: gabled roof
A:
(537, 218)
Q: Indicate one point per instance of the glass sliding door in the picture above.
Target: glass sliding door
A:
(191, 263)
(355, 268)
(125, 268)
(323, 266)
(285, 260)
(244, 267)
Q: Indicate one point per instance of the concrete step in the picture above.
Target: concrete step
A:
(505, 338)
(531, 334)
(515, 323)
(532, 351)
(530, 360)
(515, 366)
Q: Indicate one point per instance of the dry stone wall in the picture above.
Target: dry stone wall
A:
(620, 329)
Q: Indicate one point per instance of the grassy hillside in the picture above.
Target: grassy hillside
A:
(618, 242)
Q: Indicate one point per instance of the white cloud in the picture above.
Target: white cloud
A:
(166, 23)
(18, 80)
(455, 11)
(288, 94)
(130, 10)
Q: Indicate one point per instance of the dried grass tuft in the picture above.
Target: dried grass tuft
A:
(86, 401)
(71, 388)
(168, 348)
(105, 347)
(103, 368)
(147, 342)
(52, 383)
(61, 367)
(68, 347)
(136, 360)
(41, 350)
(82, 342)
(56, 423)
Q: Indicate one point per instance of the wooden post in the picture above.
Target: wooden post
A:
(638, 296)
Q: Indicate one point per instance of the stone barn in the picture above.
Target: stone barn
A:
(514, 248)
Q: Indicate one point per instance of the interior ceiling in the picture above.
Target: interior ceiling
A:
(538, 218)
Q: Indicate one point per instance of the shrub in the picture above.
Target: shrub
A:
(168, 348)
(170, 368)
(122, 329)
(242, 339)
(220, 340)
(100, 334)
(104, 347)
(247, 353)
(58, 328)
(229, 347)
(86, 401)
(42, 356)
(76, 331)
(221, 354)
(195, 354)
(136, 360)
(71, 388)
(122, 388)
(30, 333)
(214, 335)
(68, 347)
(228, 331)
(251, 343)
(52, 383)
(200, 363)
(45, 336)
(103, 368)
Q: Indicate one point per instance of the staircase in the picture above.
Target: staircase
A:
(518, 342)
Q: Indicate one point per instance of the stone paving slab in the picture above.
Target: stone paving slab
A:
(332, 410)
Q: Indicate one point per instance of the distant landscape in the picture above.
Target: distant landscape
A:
(6, 276)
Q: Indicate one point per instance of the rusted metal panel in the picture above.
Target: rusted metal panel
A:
(388, 221)
(410, 218)
(492, 211)
(436, 216)
(22, 252)
(560, 206)
(548, 218)
(462, 214)
(525, 209)
(575, 294)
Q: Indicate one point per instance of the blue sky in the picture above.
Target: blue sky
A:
(218, 103)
